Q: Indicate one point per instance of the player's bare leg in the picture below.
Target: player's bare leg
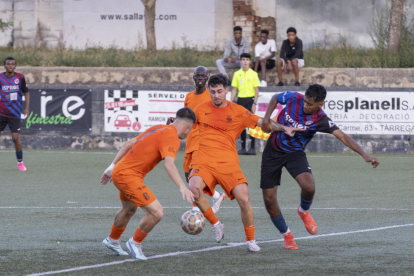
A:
(307, 184)
(197, 186)
(295, 68)
(263, 68)
(279, 65)
(19, 152)
(273, 209)
(241, 194)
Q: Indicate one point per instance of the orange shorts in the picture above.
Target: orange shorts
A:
(226, 175)
(132, 188)
(189, 159)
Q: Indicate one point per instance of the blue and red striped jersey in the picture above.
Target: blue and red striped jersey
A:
(11, 95)
(293, 116)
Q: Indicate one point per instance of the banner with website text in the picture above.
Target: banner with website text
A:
(59, 109)
(363, 112)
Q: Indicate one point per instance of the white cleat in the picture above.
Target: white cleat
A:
(252, 246)
(136, 250)
(216, 203)
(218, 231)
(195, 208)
(116, 247)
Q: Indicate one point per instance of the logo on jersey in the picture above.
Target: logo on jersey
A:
(16, 81)
(308, 123)
(248, 113)
(293, 123)
(170, 149)
(331, 124)
(229, 119)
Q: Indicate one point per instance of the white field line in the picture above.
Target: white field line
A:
(229, 245)
(181, 207)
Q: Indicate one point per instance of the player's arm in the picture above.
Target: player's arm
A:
(106, 176)
(267, 127)
(350, 143)
(233, 93)
(172, 172)
(273, 126)
(26, 97)
(256, 96)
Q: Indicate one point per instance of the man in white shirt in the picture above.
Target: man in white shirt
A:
(265, 55)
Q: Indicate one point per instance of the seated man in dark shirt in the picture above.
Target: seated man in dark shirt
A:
(291, 56)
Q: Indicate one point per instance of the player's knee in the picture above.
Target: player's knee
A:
(158, 215)
(295, 62)
(130, 211)
(15, 139)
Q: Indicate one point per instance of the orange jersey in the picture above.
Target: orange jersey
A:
(192, 100)
(218, 130)
(150, 148)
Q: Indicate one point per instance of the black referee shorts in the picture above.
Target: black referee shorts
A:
(13, 123)
(246, 102)
(273, 161)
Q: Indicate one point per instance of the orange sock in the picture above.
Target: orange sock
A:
(249, 230)
(116, 232)
(139, 236)
(210, 216)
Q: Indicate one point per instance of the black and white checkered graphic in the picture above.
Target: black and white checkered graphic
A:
(120, 96)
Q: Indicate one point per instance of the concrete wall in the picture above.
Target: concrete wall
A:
(329, 77)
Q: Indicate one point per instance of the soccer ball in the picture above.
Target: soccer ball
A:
(192, 222)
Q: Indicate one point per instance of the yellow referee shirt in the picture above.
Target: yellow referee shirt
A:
(245, 82)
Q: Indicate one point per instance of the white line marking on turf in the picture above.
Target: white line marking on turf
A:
(229, 245)
(184, 207)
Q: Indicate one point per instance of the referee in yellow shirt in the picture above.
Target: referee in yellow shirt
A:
(247, 82)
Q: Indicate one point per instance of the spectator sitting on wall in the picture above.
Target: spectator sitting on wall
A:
(292, 55)
(265, 55)
(237, 46)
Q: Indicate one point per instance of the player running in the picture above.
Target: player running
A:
(283, 151)
(194, 98)
(12, 88)
(219, 123)
(134, 160)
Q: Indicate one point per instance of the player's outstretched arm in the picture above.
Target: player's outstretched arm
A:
(266, 125)
(273, 126)
(106, 176)
(172, 172)
(350, 143)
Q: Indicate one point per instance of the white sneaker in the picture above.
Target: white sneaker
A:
(218, 232)
(116, 247)
(252, 246)
(216, 203)
(263, 83)
(195, 208)
(136, 250)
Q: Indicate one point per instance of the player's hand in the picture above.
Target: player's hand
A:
(26, 113)
(373, 160)
(170, 120)
(187, 194)
(253, 108)
(292, 130)
(105, 178)
(233, 60)
(226, 60)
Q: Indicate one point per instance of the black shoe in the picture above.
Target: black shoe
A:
(279, 83)
(297, 83)
(251, 151)
(242, 152)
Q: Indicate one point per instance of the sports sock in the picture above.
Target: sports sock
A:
(139, 236)
(19, 156)
(249, 231)
(210, 216)
(280, 223)
(216, 195)
(116, 232)
(304, 204)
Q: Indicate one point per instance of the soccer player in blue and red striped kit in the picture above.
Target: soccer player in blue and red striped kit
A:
(305, 112)
(12, 88)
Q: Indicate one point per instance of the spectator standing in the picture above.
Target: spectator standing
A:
(291, 56)
(265, 52)
(246, 81)
(234, 48)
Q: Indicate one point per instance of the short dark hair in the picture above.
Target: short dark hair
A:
(245, 55)
(264, 32)
(237, 28)
(316, 92)
(186, 113)
(9, 58)
(218, 79)
(291, 29)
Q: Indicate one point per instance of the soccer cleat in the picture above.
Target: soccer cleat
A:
(195, 208)
(116, 247)
(21, 166)
(290, 242)
(218, 232)
(252, 246)
(310, 224)
(136, 250)
(216, 203)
